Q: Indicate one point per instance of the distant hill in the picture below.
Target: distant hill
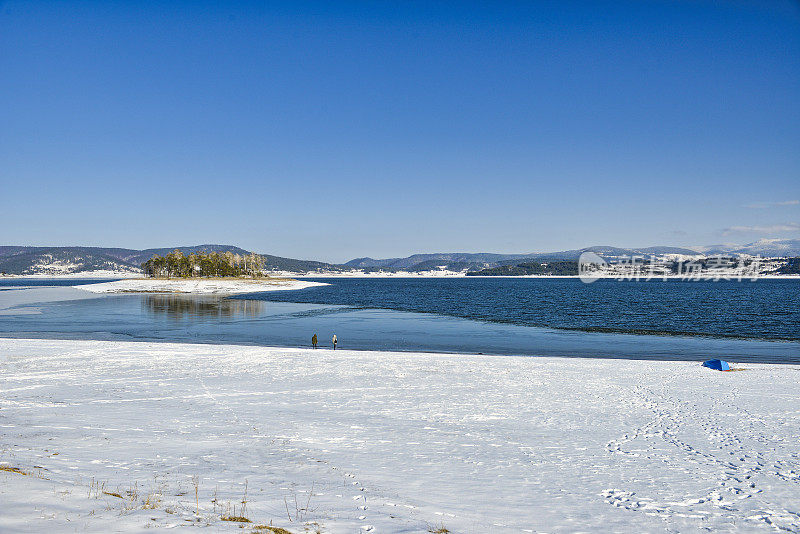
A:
(768, 248)
(70, 260)
(61, 260)
(559, 268)
(277, 263)
(471, 262)
(431, 259)
(140, 256)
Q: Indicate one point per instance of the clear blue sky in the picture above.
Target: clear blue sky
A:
(376, 129)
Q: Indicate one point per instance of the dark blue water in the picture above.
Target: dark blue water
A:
(766, 309)
(739, 322)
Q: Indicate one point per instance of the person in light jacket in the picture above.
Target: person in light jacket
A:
(335, 341)
(314, 340)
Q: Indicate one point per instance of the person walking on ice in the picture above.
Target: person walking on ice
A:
(335, 341)
(314, 340)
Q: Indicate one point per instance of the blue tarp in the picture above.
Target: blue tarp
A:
(719, 365)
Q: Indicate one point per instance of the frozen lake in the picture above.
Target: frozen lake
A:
(64, 312)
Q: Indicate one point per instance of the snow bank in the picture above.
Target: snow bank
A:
(360, 273)
(80, 274)
(114, 436)
(204, 286)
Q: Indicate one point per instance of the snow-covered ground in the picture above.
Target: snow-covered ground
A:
(360, 273)
(50, 266)
(197, 286)
(124, 436)
(60, 275)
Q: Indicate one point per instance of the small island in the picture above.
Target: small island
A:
(201, 273)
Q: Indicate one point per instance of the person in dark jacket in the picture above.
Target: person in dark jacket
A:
(314, 340)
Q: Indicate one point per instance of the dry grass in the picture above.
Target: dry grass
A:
(235, 518)
(439, 530)
(16, 470)
(267, 528)
(151, 501)
(113, 494)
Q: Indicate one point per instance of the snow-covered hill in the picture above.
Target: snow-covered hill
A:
(768, 248)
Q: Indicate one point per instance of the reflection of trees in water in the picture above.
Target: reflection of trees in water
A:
(180, 306)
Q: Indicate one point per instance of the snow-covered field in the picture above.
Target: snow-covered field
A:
(124, 436)
(196, 286)
(360, 273)
(60, 275)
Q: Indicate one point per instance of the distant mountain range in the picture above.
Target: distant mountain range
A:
(762, 247)
(478, 261)
(68, 260)
(432, 260)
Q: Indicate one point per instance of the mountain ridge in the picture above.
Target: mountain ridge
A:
(29, 260)
(764, 247)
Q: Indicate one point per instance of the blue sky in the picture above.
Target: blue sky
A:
(332, 131)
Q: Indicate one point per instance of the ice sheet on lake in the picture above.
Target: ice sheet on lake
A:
(17, 300)
(204, 286)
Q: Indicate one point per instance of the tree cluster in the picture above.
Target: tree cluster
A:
(213, 264)
(560, 268)
(792, 267)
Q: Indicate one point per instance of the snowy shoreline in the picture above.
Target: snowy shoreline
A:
(72, 276)
(383, 274)
(388, 442)
(454, 274)
(214, 286)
